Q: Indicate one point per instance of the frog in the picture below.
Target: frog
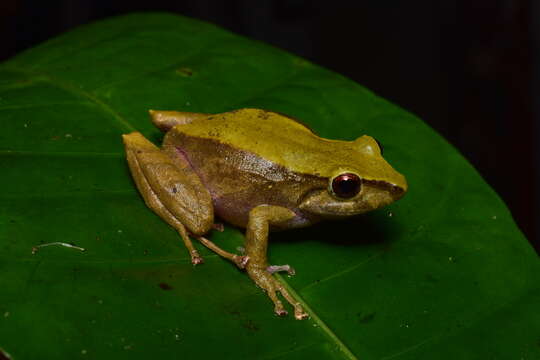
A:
(259, 170)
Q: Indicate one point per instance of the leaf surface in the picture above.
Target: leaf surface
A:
(442, 274)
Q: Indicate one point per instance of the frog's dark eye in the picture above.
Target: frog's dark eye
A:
(380, 145)
(346, 185)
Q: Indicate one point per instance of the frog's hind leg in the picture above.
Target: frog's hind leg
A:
(172, 190)
(239, 260)
(172, 193)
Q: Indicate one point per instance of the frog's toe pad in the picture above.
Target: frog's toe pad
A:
(241, 261)
(196, 259)
(279, 268)
(300, 315)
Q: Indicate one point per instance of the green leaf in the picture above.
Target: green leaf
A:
(442, 274)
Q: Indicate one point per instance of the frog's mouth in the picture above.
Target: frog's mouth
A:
(373, 195)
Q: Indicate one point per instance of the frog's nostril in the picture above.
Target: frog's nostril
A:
(396, 192)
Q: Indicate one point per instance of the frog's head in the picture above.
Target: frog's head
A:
(364, 182)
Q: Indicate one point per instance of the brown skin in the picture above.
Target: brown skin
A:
(242, 167)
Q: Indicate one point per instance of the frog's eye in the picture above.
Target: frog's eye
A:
(380, 145)
(346, 185)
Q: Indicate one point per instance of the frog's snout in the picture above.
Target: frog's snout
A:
(379, 194)
(378, 199)
(397, 192)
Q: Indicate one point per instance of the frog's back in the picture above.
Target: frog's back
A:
(252, 128)
(275, 137)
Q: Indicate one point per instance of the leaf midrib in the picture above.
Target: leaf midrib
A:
(68, 87)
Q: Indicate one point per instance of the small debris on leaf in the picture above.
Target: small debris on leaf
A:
(36, 248)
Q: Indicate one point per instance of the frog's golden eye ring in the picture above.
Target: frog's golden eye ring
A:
(380, 145)
(346, 185)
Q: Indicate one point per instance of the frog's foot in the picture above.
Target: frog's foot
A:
(272, 286)
(279, 268)
(196, 259)
(240, 260)
(218, 227)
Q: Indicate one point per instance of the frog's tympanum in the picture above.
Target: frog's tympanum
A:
(259, 170)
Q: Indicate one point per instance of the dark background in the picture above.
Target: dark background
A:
(467, 67)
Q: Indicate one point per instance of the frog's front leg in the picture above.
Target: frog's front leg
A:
(260, 219)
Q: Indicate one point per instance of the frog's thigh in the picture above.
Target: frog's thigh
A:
(174, 192)
(153, 202)
(260, 219)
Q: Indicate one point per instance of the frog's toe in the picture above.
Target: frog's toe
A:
(299, 313)
(196, 259)
(280, 311)
(279, 268)
(241, 261)
(301, 316)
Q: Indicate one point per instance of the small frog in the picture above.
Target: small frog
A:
(259, 170)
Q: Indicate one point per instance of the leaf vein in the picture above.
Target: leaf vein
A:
(333, 337)
(342, 272)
